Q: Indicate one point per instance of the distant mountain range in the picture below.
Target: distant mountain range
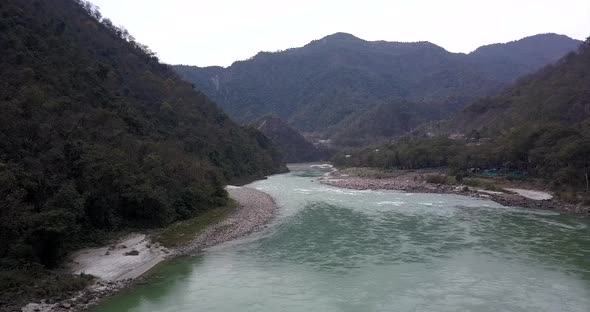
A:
(343, 87)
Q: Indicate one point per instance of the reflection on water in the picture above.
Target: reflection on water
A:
(332, 249)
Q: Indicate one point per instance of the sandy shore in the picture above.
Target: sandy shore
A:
(120, 265)
(127, 259)
(413, 181)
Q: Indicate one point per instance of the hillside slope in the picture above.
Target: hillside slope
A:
(97, 136)
(292, 145)
(538, 128)
(383, 122)
(511, 60)
(558, 93)
(328, 81)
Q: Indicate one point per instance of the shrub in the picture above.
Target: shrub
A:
(440, 179)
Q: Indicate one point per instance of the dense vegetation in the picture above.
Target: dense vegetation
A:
(509, 61)
(97, 135)
(324, 86)
(558, 93)
(382, 122)
(557, 153)
(539, 127)
(292, 145)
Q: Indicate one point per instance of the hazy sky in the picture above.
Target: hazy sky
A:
(219, 32)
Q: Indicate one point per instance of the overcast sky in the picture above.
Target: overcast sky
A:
(219, 32)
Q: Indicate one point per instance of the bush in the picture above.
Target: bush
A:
(370, 173)
(440, 179)
(20, 286)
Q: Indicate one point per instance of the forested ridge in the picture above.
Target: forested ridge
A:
(539, 127)
(383, 122)
(96, 135)
(558, 93)
(324, 86)
(292, 145)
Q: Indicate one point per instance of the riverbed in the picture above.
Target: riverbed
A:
(332, 249)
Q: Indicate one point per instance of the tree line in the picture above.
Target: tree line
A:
(555, 152)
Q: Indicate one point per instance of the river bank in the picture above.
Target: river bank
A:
(415, 181)
(124, 263)
(332, 249)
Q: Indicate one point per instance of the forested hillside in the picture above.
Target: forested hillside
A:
(322, 86)
(292, 145)
(540, 127)
(508, 61)
(97, 135)
(558, 93)
(383, 122)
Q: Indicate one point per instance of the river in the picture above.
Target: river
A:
(334, 249)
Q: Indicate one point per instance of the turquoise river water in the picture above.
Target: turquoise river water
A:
(334, 249)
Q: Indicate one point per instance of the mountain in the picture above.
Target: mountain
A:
(96, 136)
(382, 122)
(558, 93)
(321, 86)
(292, 145)
(539, 127)
(508, 61)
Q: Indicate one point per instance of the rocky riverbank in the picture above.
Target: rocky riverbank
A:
(255, 210)
(415, 181)
(122, 265)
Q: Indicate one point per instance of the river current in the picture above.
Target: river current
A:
(332, 249)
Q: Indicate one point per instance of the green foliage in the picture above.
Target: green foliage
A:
(20, 287)
(556, 94)
(366, 172)
(383, 121)
(96, 135)
(404, 154)
(557, 153)
(483, 184)
(292, 145)
(440, 179)
(540, 126)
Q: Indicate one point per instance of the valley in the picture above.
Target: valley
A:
(360, 92)
(337, 249)
(339, 174)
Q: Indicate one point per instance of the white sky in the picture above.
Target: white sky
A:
(219, 32)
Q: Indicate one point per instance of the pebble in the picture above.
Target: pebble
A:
(256, 209)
